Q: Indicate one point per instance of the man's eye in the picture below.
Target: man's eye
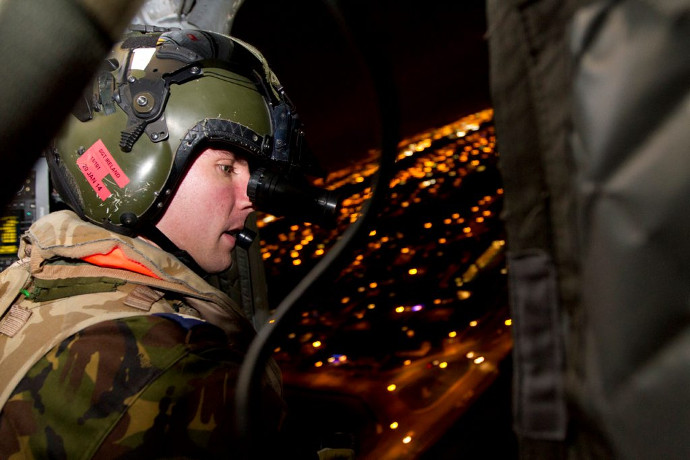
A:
(226, 168)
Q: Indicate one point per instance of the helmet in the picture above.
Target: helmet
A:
(157, 102)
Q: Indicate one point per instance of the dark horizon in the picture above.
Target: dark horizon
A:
(437, 54)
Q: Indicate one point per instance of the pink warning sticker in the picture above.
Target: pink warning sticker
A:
(95, 164)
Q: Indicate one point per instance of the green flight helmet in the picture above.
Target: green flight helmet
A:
(157, 102)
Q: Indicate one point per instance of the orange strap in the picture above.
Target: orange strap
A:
(117, 259)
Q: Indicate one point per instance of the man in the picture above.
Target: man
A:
(111, 342)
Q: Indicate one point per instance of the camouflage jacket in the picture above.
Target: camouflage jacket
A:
(110, 347)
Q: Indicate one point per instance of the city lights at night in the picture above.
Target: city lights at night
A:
(418, 319)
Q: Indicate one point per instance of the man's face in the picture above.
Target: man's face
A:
(209, 208)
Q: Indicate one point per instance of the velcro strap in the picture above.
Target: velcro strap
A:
(142, 298)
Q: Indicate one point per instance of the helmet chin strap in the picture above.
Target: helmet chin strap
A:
(244, 239)
(152, 233)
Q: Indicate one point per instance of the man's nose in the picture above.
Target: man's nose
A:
(246, 202)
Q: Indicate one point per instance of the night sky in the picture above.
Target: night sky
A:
(435, 51)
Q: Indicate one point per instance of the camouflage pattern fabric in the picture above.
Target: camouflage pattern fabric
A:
(52, 250)
(105, 365)
(141, 387)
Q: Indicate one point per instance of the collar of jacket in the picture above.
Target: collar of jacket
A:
(62, 238)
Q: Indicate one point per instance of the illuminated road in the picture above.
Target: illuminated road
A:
(414, 405)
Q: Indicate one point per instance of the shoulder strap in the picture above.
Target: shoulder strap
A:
(12, 282)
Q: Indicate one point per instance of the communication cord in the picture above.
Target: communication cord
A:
(365, 37)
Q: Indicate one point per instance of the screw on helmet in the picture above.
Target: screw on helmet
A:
(157, 102)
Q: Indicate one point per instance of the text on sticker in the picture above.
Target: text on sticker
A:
(95, 164)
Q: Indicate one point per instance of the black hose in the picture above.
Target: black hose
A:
(365, 38)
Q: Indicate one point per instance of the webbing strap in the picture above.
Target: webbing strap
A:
(14, 320)
(43, 290)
